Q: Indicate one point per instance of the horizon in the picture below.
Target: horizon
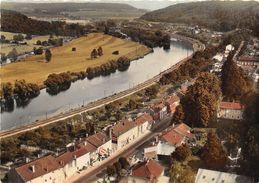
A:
(140, 4)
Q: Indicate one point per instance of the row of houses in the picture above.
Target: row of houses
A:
(93, 149)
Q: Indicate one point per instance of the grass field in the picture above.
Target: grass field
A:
(6, 48)
(35, 69)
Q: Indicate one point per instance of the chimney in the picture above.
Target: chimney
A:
(32, 168)
(156, 139)
(85, 143)
(110, 133)
(104, 140)
(86, 135)
(27, 160)
(74, 156)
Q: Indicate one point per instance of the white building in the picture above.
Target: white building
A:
(124, 133)
(144, 122)
(211, 176)
(230, 110)
(103, 144)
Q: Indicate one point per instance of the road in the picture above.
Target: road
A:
(93, 174)
(97, 104)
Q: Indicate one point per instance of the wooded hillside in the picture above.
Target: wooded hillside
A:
(219, 15)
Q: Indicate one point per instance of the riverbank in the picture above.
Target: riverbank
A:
(35, 70)
(96, 104)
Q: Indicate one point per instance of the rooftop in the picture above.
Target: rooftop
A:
(98, 139)
(37, 168)
(123, 127)
(149, 169)
(143, 118)
(230, 105)
(212, 176)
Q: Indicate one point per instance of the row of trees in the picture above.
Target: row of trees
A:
(190, 69)
(149, 37)
(121, 64)
(21, 91)
(96, 52)
(58, 82)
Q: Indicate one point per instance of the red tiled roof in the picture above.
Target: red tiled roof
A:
(123, 127)
(230, 105)
(183, 129)
(64, 158)
(143, 118)
(98, 139)
(89, 147)
(150, 170)
(42, 166)
(172, 137)
(248, 58)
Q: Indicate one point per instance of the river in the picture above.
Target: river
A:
(85, 91)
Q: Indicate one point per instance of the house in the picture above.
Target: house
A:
(169, 140)
(144, 122)
(45, 169)
(211, 176)
(230, 110)
(159, 111)
(124, 133)
(171, 103)
(148, 171)
(103, 144)
(76, 158)
(248, 61)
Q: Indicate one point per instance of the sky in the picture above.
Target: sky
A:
(142, 4)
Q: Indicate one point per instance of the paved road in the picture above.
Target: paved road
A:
(7, 133)
(92, 176)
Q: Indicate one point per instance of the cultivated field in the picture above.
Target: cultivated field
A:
(35, 69)
(6, 48)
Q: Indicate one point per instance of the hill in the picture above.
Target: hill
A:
(68, 9)
(219, 15)
(12, 21)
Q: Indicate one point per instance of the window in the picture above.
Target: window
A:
(203, 176)
(213, 179)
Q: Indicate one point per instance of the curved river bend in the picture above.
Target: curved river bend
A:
(85, 91)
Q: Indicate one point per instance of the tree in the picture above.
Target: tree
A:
(100, 51)
(182, 152)
(124, 163)
(117, 166)
(3, 37)
(235, 83)
(48, 55)
(13, 54)
(178, 116)
(111, 170)
(28, 36)
(181, 173)
(132, 104)
(213, 153)
(38, 42)
(201, 99)
(18, 37)
(94, 53)
(7, 91)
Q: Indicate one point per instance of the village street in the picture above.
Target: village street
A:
(90, 175)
